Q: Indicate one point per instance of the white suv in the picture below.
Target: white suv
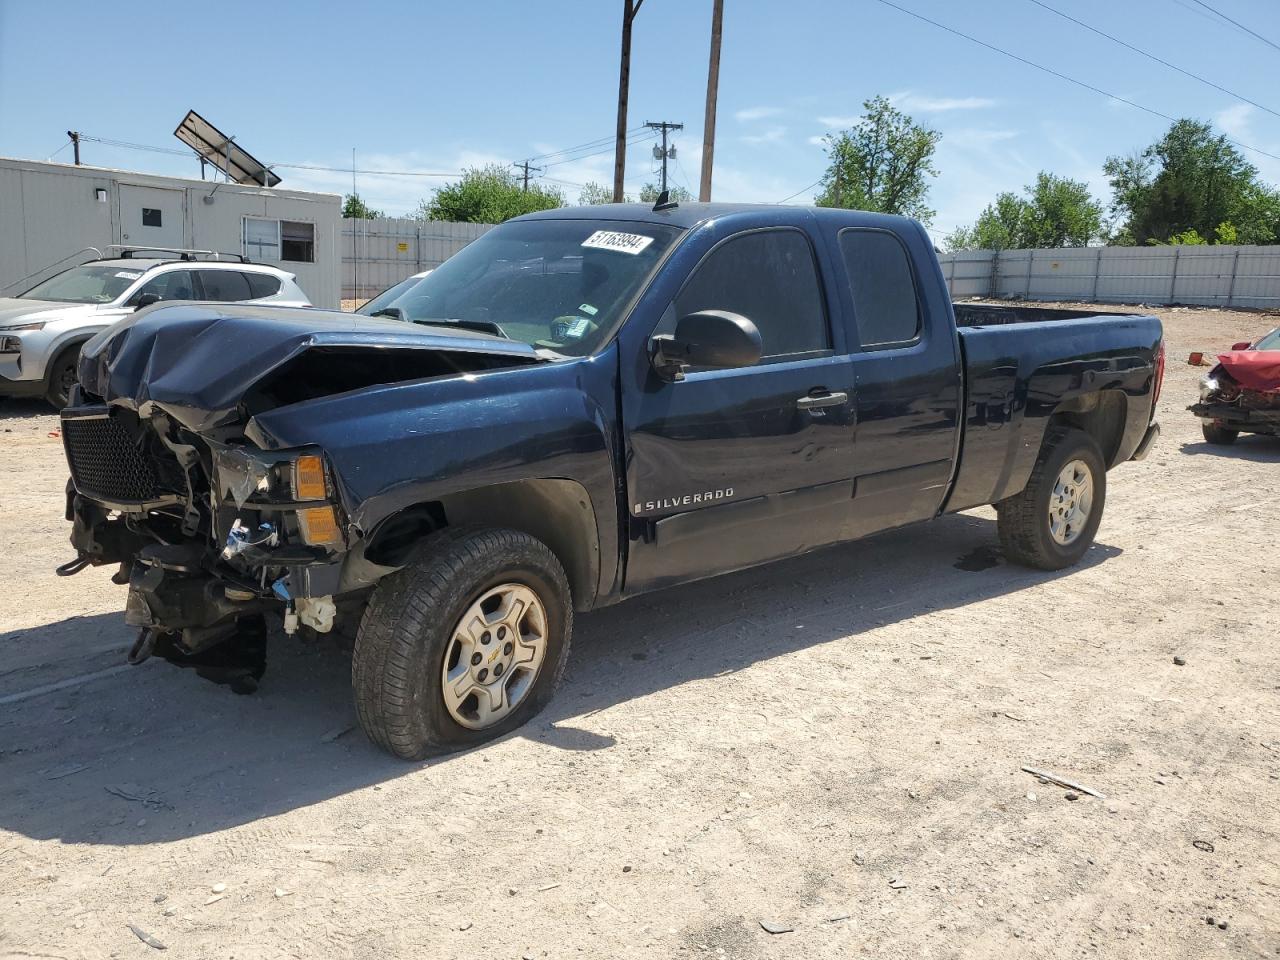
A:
(42, 330)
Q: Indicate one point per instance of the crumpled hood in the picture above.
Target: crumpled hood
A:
(16, 310)
(1253, 369)
(197, 361)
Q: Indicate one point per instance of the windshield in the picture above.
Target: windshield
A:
(556, 284)
(87, 284)
(1270, 342)
(388, 296)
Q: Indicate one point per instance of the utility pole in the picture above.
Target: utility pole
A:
(663, 152)
(75, 144)
(524, 165)
(629, 10)
(713, 87)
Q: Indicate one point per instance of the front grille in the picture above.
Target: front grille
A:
(107, 460)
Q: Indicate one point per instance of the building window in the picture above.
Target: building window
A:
(261, 238)
(297, 241)
(151, 218)
(292, 240)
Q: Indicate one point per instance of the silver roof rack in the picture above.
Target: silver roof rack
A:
(129, 250)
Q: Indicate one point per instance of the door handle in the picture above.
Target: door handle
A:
(822, 400)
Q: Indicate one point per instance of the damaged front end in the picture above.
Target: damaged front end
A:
(1242, 407)
(211, 535)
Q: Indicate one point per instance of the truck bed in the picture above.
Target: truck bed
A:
(1023, 364)
(993, 314)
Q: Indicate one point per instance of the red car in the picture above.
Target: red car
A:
(1242, 393)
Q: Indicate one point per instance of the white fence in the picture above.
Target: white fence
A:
(1207, 276)
(378, 253)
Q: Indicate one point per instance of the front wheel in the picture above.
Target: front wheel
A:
(1053, 521)
(1218, 435)
(62, 377)
(464, 644)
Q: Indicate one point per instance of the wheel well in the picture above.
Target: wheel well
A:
(62, 352)
(1101, 415)
(557, 512)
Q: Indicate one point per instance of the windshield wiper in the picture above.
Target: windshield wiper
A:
(481, 326)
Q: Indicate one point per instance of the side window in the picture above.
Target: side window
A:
(262, 285)
(770, 278)
(225, 285)
(885, 305)
(174, 285)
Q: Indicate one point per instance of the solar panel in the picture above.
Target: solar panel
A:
(214, 146)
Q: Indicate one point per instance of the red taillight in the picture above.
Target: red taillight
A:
(1159, 382)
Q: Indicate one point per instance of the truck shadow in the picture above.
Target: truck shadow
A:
(153, 754)
(1257, 448)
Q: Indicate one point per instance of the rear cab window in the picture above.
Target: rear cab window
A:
(886, 303)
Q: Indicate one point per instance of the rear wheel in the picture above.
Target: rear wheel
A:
(1217, 434)
(1052, 522)
(61, 376)
(464, 644)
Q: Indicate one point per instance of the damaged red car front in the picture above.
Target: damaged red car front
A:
(1242, 393)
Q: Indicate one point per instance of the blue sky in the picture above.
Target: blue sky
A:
(434, 87)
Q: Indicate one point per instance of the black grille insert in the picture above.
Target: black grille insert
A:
(107, 459)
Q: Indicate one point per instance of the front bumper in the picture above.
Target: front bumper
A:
(1233, 417)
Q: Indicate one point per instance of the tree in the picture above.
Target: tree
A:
(488, 194)
(597, 193)
(353, 208)
(883, 164)
(1190, 181)
(650, 191)
(1055, 212)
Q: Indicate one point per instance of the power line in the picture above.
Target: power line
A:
(1152, 56)
(590, 144)
(802, 190)
(640, 138)
(1237, 23)
(380, 173)
(1060, 76)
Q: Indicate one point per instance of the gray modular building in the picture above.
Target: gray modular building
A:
(50, 211)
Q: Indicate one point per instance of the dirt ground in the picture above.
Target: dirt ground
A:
(831, 744)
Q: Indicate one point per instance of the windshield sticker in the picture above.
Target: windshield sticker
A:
(127, 275)
(631, 243)
(588, 309)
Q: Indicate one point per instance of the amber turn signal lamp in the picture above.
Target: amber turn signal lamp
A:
(319, 526)
(308, 478)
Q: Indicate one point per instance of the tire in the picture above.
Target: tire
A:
(1027, 531)
(1218, 435)
(61, 376)
(413, 623)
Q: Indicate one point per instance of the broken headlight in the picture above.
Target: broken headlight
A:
(1208, 387)
(286, 481)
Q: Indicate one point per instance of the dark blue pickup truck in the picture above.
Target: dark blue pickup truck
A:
(581, 406)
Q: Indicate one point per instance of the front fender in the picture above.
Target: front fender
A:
(394, 446)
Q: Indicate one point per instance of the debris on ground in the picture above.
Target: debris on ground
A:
(1071, 795)
(773, 926)
(897, 884)
(1203, 845)
(1047, 777)
(1179, 661)
(66, 770)
(146, 938)
(336, 732)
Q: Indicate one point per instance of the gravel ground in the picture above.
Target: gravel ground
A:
(831, 745)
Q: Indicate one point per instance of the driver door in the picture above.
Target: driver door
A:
(729, 468)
